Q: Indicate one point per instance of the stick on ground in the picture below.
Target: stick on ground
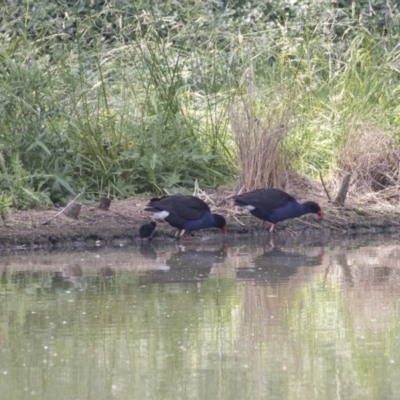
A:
(64, 209)
(105, 203)
(342, 194)
(72, 210)
(326, 190)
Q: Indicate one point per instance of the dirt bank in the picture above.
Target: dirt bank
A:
(121, 223)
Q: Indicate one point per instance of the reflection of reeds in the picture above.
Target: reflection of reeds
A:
(259, 137)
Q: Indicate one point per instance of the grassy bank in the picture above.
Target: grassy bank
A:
(120, 99)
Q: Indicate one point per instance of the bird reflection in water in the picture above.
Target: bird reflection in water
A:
(67, 277)
(147, 250)
(276, 266)
(187, 265)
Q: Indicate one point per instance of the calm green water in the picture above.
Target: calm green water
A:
(311, 319)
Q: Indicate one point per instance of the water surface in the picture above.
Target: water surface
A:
(311, 318)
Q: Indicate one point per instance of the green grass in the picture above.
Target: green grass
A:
(117, 101)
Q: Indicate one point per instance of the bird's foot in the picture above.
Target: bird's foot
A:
(180, 247)
(192, 237)
(276, 229)
(291, 232)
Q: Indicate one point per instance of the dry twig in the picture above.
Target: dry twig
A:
(62, 211)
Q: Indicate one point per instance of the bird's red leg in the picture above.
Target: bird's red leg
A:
(272, 228)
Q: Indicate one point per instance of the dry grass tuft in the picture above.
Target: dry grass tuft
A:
(373, 158)
(259, 137)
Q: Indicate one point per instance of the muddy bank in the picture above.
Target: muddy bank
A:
(122, 221)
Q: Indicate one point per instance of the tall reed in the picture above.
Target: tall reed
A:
(122, 100)
(259, 131)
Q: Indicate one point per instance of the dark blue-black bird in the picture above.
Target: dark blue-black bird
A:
(186, 213)
(275, 205)
(147, 230)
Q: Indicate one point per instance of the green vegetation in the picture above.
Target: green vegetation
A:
(122, 97)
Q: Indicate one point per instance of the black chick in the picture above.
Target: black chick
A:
(147, 230)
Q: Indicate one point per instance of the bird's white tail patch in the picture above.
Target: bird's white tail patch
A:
(248, 207)
(161, 214)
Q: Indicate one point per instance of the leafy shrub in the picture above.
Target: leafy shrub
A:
(116, 98)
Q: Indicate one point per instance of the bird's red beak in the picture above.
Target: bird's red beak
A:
(320, 214)
(224, 229)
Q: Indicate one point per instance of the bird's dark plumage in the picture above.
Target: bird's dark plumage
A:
(275, 205)
(147, 230)
(186, 213)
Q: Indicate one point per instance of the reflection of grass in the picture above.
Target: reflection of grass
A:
(333, 353)
(103, 333)
(117, 331)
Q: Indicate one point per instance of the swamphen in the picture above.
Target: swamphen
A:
(147, 230)
(275, 205)
(186, 213)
